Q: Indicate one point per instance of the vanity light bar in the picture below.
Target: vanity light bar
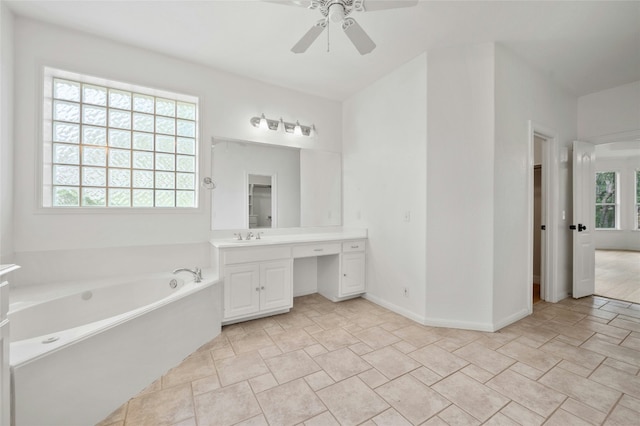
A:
(259, 122)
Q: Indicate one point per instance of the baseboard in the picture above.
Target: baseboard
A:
(511, 319)
(446, 323)
(305, 292)
(464, 325)
(394, 308)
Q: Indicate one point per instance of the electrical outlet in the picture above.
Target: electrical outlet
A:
(405, 291)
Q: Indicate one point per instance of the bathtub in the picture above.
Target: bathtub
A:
(80, 350)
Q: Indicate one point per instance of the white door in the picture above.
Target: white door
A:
(584, 172)
(275, 285)
(241, 290)
(353, 270)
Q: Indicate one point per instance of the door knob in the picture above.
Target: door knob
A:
(581, 227)
(572, 227)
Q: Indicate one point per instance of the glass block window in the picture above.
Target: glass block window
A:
(606, 204)
(110, 144)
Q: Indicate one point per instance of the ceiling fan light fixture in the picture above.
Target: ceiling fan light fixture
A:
(264, 125)
(336, 12)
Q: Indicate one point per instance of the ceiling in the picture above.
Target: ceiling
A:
(584, 46)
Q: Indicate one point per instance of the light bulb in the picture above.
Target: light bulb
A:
(297, 130)
(281, 128)
(263, 123)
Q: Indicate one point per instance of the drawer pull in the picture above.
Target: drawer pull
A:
(318, 249)
(355, 246)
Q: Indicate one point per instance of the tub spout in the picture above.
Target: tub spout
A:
(197, 273)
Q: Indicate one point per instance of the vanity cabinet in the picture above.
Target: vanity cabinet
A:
(258, 274)
(342, 276)
(353, 271)
(257, 288)
(5, 391)
(258, 281)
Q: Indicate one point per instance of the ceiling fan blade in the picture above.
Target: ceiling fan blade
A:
(303, 44)
(358, 37)
(297, 3)
(373, 5)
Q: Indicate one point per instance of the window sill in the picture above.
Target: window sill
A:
(118, 210)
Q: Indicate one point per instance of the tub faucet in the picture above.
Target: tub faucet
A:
(197, 273)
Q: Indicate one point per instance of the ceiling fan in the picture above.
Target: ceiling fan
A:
(337, 12)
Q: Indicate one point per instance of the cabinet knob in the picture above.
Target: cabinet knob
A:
(344, 275)
(257, 288)
(262, 288)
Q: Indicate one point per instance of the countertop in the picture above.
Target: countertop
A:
(266, 240)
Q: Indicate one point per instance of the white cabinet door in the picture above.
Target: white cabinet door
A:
(275, 285)
(353, 274)
(4, 374)
(241, 290)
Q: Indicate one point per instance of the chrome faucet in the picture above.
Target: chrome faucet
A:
(238, 235)
(249, 235)
(197, 273)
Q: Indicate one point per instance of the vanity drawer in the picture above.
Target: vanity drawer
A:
(350, 246)
(312, 250)
(244, 255)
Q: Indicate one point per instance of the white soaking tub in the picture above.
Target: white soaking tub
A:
(79, 351)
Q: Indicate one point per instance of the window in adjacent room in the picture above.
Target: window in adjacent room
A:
(115, 145)
(606, 200)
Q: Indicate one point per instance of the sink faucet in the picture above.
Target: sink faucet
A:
(197, 273)
(249, 235)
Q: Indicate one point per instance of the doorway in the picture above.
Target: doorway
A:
(543, 209)
(617, 245)
(539, 226)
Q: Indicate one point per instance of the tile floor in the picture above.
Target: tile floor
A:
(618, 274)
(572, 363)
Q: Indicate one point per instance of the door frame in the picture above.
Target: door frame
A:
(550, 191)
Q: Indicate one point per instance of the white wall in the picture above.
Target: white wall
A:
(460, 164)
(522, 93)
(384, 176)
(626, 237)
(612, 111)
(233, 161)
(6, 134)
(320, 188)
(227, 104)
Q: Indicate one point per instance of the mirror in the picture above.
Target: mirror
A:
(270, 186)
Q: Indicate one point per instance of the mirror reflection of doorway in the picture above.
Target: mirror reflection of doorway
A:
(260, 201)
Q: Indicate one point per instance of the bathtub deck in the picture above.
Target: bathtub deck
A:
(354, 362)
